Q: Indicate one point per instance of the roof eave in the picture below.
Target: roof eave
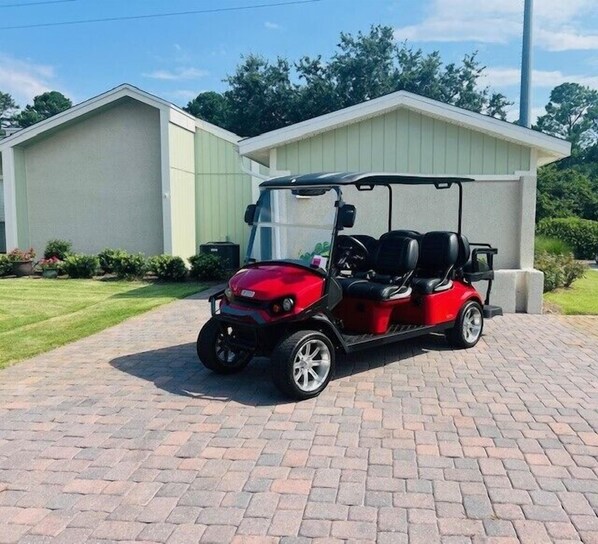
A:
(122, 91)
(379, 106)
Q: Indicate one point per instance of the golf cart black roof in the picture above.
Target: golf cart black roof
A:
(332, 179)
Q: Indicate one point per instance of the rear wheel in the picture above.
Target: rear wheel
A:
(302, 364)
(217, 351)
(468, 327)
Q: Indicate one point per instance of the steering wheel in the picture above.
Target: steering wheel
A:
(349, 252)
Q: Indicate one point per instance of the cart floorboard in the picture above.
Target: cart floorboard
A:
(357, 341)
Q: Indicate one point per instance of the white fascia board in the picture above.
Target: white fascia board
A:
(10, 198)
(165, 175)
(180, 120)
(217, 131)
(379, 106)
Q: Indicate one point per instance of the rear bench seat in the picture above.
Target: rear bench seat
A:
(440, 253)
(394, 263)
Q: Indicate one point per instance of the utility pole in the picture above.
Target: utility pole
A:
(526, 65)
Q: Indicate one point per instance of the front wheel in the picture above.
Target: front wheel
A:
(216, 350)
(302, 364)
(468, 327)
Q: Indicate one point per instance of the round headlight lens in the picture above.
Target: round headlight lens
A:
(287, 304)
(228, 293)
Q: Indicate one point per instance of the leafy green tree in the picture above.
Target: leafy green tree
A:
(8, 108)
(265, 95)
(209, 106)
(572, 114)
(44, 105)
(260, 96)
(566, 193)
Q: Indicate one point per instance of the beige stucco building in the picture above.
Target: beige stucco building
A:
(127, 169)
(123, 170)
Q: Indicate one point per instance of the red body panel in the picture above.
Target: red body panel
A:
(272, 282)
(369, 316)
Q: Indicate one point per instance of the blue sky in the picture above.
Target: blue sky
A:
(177, 57)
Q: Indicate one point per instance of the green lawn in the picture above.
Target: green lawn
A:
(580, 299)
(37, 315)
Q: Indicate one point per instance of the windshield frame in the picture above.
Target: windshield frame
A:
(333, 231)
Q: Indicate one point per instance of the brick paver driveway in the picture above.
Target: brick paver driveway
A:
(123, 436)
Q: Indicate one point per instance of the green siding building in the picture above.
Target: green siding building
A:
(129, 170)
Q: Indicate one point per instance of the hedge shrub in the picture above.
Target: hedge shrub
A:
(580, 234)
(5, 265)
(108, 257)
(559, 270)
(130, 266)
(80, 266)
(554, 246)
(60, 249)
(167, 267)
(207, 267)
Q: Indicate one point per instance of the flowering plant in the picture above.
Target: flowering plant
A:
(50, 264)
(18, 255)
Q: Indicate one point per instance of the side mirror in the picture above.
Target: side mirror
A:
(346, 216)
(250, 214)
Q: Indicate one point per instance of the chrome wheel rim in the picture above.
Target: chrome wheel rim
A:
(311, 365)
(225, 354)
(472, 324)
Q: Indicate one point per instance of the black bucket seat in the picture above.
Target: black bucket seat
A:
(394, 263)
(439, 254)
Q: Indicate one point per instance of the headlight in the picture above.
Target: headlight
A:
(228, 293)
(283, 305)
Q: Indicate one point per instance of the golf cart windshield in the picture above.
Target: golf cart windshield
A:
(294, 227)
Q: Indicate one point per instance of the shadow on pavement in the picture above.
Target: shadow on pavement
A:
(177, 370)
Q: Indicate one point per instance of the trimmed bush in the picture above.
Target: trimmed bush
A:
(207, 267)
(580, 234)
(108, 257)
(60, 249)
(554, 246)
(5, 265)
(130, 266)
(80, 266)
(167, 267)
(559, 270)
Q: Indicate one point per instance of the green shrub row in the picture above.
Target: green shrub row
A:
(207, 267)
(580, 234)
(122, 264)
(560, 270)
(5, 265)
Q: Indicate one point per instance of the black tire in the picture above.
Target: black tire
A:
(465, 334)
(214, 353)
(283, 364)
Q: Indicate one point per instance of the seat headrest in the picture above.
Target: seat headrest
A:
(402, 233)
(439, 250)
(396, 255)
(464, 251)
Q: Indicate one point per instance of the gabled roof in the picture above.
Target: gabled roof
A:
(549, 148)
(105, 99)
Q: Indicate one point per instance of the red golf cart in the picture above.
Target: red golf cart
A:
(308, 290)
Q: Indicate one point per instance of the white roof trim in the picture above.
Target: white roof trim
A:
(122, 91)
(524, 136)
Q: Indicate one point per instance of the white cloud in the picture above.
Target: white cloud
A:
(272, 26)
(177, 74)
(566, 39)
(558, 24)
(498, 77)
(24, 79)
